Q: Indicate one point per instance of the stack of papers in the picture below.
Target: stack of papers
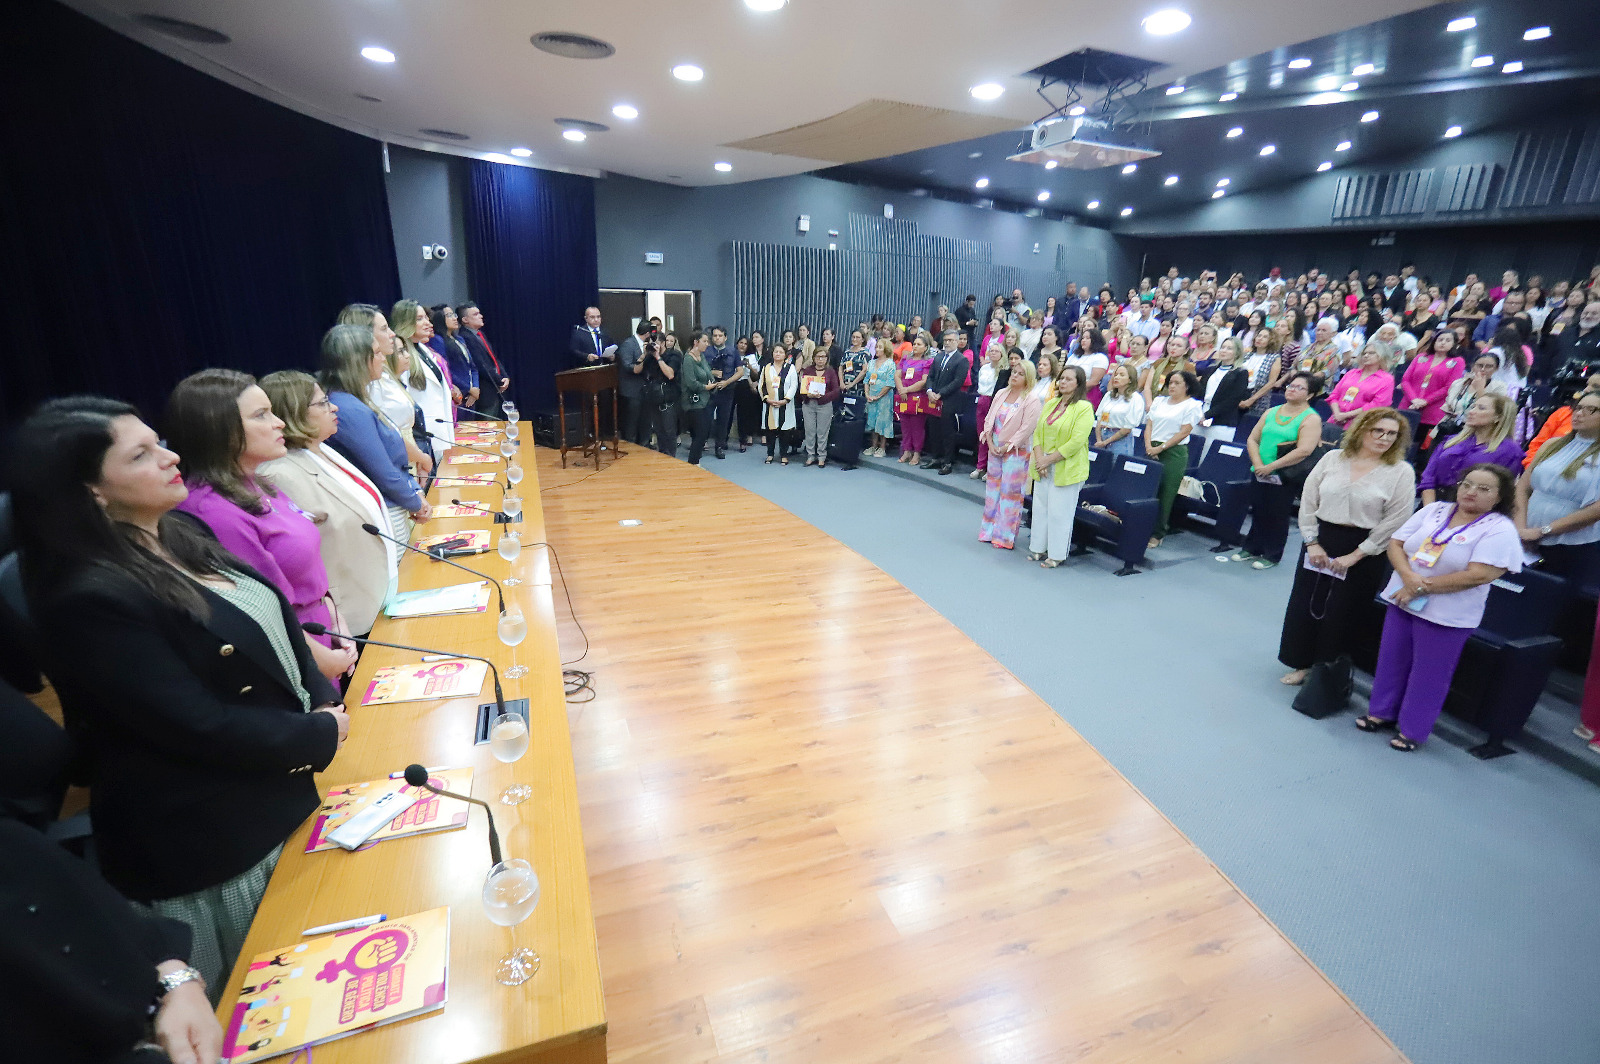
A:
(457, 598)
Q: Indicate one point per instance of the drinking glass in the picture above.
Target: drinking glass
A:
(508, 447)
(513, 629)
(513, 430)
(509, 409)
(510, 549)
(508, 741)
(512, 505)
(510, 894)
(514, 474)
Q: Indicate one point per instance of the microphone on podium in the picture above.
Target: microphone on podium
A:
(321, 629)
(373, 530)
(417, 776)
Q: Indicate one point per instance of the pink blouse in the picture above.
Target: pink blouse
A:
(1357, 392)
(1430, 380)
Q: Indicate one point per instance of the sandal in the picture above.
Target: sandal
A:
(822, 464)
(1049, 563)
(1402, 744)
(1369, 723)
(1036, 555)
(1295, 678)
(769, 459)
(784, 460)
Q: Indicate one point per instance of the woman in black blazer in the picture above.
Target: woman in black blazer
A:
(183, 676)
(1227, 384)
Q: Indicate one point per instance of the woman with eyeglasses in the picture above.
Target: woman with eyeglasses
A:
(1351, 504)
(1280, 441)
(1558, 498)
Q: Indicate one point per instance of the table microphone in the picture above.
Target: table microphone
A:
(417, 776)
(316, 628)
(480, 450)
(480, 413)
(373, 530)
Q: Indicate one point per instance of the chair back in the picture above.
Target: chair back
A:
(19, 656)
(1523, 605)
(1132, 478)
(1223, 462)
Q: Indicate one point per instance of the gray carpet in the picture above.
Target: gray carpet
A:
(1446, 896)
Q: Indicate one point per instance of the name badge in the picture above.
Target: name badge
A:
(1350, 394)
(910, 374)
(1427, 555)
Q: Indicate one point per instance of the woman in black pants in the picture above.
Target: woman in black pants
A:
(1351, 505)
(1285, 436)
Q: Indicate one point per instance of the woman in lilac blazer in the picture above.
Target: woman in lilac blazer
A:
(221, 424)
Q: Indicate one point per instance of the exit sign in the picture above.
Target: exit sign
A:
(654, 258)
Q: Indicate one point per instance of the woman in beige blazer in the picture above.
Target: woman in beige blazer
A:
(340, 498)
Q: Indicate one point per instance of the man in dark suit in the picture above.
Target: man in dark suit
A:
(588, 344)
(1395, 295)
(493, 381)
(630, 384)
(967, 317)
(948, 379)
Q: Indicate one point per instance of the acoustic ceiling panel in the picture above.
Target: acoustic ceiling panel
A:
(1535, 169)
(1584, 184)
(1466, 188)
(875, 129)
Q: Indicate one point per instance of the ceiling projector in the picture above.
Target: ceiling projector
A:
(1082, 144)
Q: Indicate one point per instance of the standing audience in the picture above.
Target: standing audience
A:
(1172, 418)
(1279, 443)
(1058, 466)
(1007, 437)
(819, 390)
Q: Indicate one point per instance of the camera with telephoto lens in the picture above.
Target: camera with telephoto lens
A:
(1567, 382)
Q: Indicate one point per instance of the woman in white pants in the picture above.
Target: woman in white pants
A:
(1058, 467)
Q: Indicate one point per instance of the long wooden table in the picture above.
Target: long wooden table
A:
(558, 1015)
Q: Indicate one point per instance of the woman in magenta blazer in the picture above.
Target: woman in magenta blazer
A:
(1368, 386)
(221, 424)
(1426, 382)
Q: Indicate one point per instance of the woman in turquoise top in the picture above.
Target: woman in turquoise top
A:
(1282, 438)
(880, 400)
(1058, 467)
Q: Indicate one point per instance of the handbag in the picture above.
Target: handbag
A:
(1326, 690)
(1296, 474)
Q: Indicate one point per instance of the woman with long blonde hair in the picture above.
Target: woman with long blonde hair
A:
(1485, 436)
(428, 382)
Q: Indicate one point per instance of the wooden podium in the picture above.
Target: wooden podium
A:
(590, 381)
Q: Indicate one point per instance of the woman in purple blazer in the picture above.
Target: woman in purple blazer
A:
(221, 423)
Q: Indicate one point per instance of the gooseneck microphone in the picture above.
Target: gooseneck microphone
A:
(480, 413)
(417, 776)
(373, 530)
(469, 447)
(321, 629)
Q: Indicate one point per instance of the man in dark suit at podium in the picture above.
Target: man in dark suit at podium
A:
(588, 344)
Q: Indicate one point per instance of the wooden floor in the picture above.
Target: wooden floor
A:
(823, 825)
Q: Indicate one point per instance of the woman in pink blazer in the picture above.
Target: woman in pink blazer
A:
(1368, 386)
(1008, 431)
(1426, 382)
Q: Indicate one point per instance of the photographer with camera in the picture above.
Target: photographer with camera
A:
(659, 366)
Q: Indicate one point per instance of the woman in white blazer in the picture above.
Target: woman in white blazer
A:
(338, 497)
(429, 380)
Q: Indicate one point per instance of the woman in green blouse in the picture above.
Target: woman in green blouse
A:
(1058, 467)
(694, 394)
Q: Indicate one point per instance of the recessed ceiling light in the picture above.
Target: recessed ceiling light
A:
(1453, 131)
(687, 72)
(376, 54)
(1458, 24)
(1268, 149)
(1370, 116)
(982, 182)
(521, 153)
(989, 90)
(1299, 64)
(1236, 131)
(574, 135)
(1224, 182)
(1537, 33)
(1513, 67)
(1349, 86)
(1363, 70)
(1076, 110)
(974, 154)
(722, 168)
(1093, 205)
(1172, 179)
(1227, 97)
(1343, 145)
(764, 5)
(1324, 166)
(625, 111)
(1173, 90)
(1165, 21)
(1051, 165)
(1483, 61)
(1043, 196)
(1126, 211)
(1217, 194)
(1130, 168)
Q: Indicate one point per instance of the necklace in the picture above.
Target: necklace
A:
(1278, 417)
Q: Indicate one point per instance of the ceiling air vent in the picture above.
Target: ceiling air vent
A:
(583, 124)
(572, 45)
(192, 32)
(444, 134)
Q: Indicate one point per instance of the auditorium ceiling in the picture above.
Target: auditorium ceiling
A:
(812, 75)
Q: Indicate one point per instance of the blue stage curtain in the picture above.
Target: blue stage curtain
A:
(531, 260)
(157, 221)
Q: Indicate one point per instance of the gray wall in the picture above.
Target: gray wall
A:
(426, 193)
(695, 227)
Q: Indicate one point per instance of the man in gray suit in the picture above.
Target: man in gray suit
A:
(630, 383)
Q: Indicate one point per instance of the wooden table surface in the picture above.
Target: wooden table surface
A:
(826, 827)
(558, 1015)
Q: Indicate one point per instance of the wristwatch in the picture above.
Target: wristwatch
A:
(1545, 530)
(173, 980)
